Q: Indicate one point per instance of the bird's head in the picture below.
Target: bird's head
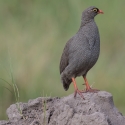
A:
(90, 13)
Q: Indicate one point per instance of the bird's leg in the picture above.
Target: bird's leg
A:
(88, 88)
(76, 89)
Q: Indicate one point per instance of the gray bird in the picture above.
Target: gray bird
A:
(81, 52)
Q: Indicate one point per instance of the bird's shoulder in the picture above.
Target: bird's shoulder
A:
(79, 41)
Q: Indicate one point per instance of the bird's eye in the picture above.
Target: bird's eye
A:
(95, 10)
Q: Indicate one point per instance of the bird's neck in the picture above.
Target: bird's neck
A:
(85, 21)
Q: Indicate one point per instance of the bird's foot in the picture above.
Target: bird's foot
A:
(79, 92)
(91, 90)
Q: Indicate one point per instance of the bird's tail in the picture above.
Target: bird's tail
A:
(65, 81)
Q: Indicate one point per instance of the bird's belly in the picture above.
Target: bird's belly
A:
(94, 58)
(89, 63)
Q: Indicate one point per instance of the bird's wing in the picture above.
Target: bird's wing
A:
(64, 58)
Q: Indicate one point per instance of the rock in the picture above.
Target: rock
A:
(96, 109)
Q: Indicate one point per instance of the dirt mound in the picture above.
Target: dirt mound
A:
(96, 109)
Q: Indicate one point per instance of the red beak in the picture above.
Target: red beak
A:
(100, 12)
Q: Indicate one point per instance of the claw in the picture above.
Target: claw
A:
(76, 89)
(91, 90)
(79, 92)
(88, 88)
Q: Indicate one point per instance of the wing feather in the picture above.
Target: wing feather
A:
(64, 61)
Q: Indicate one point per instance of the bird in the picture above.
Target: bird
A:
(81, 52)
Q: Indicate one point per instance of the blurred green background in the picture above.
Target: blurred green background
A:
(33, 34)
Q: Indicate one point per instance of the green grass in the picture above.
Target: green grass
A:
(13, 88)
(36, 32)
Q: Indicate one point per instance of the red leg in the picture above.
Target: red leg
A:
(76, 89)
(88, 88)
